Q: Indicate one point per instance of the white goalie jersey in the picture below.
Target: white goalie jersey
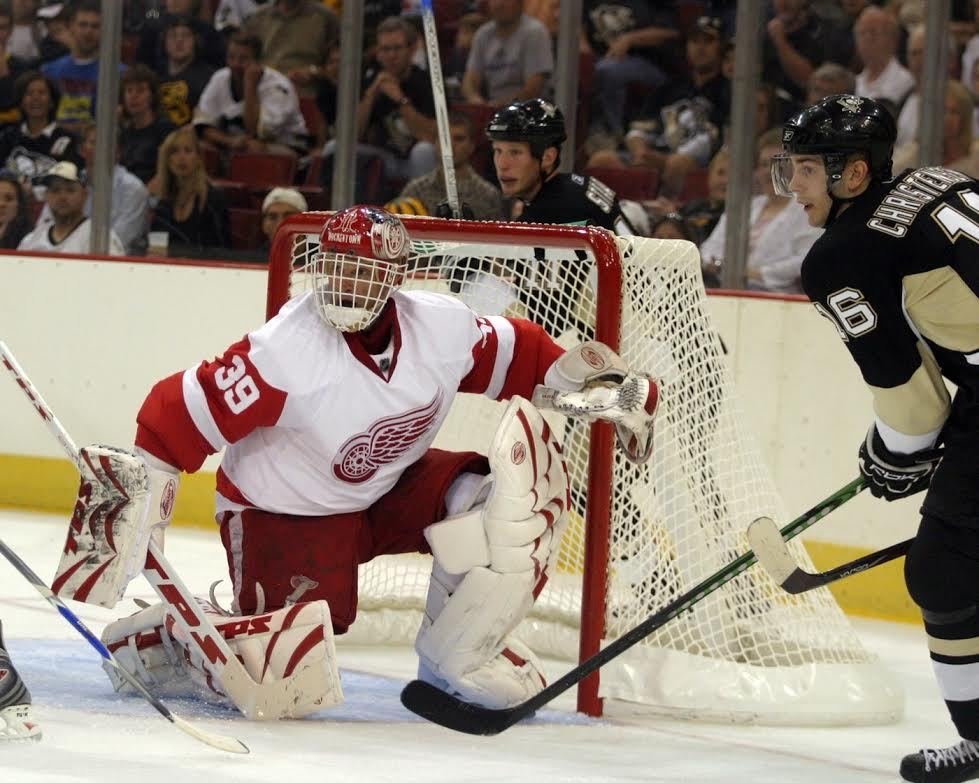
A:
(313, 423)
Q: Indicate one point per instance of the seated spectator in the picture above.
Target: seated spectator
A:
(25, 38)
(396, 113)
(674, 226)
(829, 79)
(327, 83)
(798, 40)
(15, 216)
(142, 130)
(29, 148)
(484, 199)
(190, 208)
(77, 73)
(230, 15)
(295, 36)
(700, 215)
(681, 128)
(876, 32)
(511, 58)
(151, 41)
(780, 234)
(454, 67)
(958, 148)
(11, 66)
(129, 200)
(632, 41)
(184, 75)
(279, 204)
(55, 37)
(69, 230)
(246, 107)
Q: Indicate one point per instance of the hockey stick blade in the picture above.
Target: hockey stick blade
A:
(773, 553)
(229, 744)
(446, 710)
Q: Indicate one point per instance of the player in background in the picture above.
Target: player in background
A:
(327, 415)
(16, 721)
(527, 138)
(896, 271)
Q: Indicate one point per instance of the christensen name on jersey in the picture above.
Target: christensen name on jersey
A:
(912, 192)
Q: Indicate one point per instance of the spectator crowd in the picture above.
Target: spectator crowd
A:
(227, 112)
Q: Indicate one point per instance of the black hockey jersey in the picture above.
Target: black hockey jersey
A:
(573, 198)
(897, 273)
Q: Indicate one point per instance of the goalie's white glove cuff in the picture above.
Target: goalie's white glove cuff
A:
(585, 364)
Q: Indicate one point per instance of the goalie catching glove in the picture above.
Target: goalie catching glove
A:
(592, 382)
(894, 476)
(123, 499)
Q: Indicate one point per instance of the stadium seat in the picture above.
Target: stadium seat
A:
(311, 114)
(695, 186)
(262, 168)
(246, 228)
(235, 193)
(314, 171)
(211, 158)
(637, 184)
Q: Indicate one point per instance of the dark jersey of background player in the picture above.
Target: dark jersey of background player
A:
(575, 198)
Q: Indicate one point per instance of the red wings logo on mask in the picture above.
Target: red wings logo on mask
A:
(385, 441)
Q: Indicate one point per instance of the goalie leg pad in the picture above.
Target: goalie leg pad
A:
(271, 646)
(122, 501)
(463, 644)
(466, 651)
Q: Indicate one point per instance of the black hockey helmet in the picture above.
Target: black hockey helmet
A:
(839, 126)
(538, 122)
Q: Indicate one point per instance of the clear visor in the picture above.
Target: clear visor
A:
(351, 290)
(799, 171)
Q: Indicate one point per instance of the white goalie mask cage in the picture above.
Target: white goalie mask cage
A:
(363, 260)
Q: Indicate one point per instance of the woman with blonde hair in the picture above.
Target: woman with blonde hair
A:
(190, 208)
(779, 233)
(958, 146)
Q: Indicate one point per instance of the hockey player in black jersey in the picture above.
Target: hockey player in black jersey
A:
(897, 273)
(527, 138)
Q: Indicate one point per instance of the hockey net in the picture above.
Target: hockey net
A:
(639, 536)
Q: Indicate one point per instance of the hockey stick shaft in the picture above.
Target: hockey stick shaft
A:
(229, 744)
(440, 707)
(250, 697)
(441, 107)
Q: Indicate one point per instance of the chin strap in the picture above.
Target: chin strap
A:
(838, 202)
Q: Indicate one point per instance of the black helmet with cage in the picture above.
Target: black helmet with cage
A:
(834, 129)
(538, 122)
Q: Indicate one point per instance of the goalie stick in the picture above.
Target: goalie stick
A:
(441, 110)
(445, 709)
(229, 744)
(774, 556)
(256, 701)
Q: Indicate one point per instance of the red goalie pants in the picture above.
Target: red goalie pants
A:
(296, 558)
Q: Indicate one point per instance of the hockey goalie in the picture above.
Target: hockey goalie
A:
(326, 415)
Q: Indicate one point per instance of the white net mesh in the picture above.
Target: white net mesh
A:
(747, 653)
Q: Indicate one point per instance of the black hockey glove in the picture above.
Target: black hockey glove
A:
(893, 476)
(443, 210)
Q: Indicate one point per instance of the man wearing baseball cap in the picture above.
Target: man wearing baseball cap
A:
(70, 230)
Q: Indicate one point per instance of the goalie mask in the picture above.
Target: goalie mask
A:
(362, 262)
